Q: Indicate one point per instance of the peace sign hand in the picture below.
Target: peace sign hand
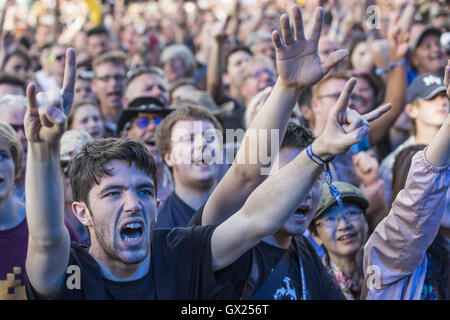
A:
(345, 127)
(46, 124)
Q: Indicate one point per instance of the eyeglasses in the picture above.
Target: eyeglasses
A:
(334, 96)
(259, 72)
(356, 98)
(116, 77)
(330, 221)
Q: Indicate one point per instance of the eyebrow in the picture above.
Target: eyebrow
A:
(122, 187)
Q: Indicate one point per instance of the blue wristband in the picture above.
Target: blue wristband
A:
(397, 64)
(327, 174)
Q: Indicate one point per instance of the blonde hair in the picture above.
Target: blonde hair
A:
(332, 75)
(9, 136)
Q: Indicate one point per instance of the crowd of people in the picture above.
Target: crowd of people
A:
(138, 158)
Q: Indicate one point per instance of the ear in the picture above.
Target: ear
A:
(125, 102)
(82, 213)
(314, 105)
(94, 86)
(168, 160)
(306, 112)
(226, 78)
(411, 110)
(414, 60)
(316, 238)
(158, 203)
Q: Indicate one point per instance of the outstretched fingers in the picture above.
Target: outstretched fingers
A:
(298, 23)
(276, 39)
(378, 112)
(447, 78)
(32, 100)
(333, 59)
(70, 74)
(286, 29)
(317, 28)
(344, 98)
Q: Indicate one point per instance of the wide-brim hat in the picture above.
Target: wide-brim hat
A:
(139, 105)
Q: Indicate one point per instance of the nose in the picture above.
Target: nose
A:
(156, 92)
(342, 223)
(308, 196)
(132, 203)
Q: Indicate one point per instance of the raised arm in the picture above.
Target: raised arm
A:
(398, 245)
(397, 84)
(275, 200)
(298, 67)
(438, 152)
(49, 244)
(214, 83)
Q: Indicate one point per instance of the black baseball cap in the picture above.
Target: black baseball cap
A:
(427, 30)
(138, 105)
(424, 87)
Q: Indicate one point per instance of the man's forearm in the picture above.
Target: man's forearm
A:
(396, 95)
(265, 210)
(407, 17)
(44, 192)
(214, 83)
(243, 177)
(279, 196)
(274, 115)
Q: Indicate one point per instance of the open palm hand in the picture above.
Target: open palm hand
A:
(298, 63)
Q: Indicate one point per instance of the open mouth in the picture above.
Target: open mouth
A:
(303, 210)
(150, 142)
(131, 233)
(114, 95)
(347, 236)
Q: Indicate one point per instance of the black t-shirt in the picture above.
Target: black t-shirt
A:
(319, 284)
(181, 268)
(173, 213)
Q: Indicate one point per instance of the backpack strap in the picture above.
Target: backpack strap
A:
(250, 283)
(270, 284)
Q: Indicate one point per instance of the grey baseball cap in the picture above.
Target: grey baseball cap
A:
(424, 87)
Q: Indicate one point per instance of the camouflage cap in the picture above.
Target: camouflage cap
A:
(349, 194)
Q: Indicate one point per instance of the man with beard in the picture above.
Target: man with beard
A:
(114, 187)
(139, 122)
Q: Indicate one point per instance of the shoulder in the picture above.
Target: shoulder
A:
(181, 237)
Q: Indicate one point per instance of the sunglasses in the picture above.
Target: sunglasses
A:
(144, 122)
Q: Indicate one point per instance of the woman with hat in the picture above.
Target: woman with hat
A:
(342, 231)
